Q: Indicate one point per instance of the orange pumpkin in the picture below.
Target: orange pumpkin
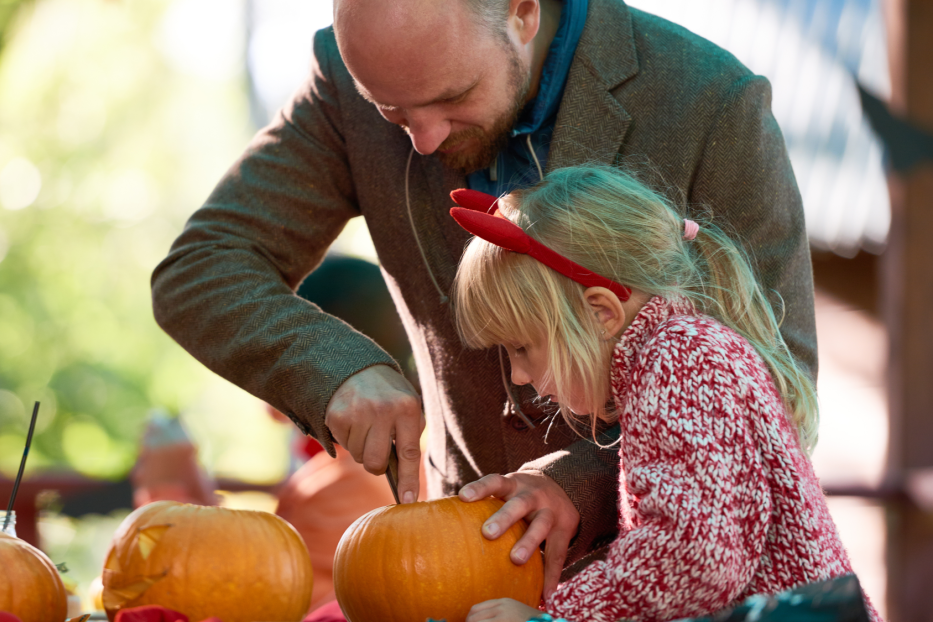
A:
(31, 588)
(237, 565)
(407, 563)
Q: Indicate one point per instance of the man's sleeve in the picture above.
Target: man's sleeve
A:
(225, 292)
(745, 179)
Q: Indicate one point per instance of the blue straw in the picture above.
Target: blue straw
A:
(22, 466)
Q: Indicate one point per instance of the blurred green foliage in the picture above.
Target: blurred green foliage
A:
(110, 140)
(8, 10)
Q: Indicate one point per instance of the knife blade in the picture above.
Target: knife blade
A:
(392, 472)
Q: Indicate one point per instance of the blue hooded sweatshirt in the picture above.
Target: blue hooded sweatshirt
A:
(514, 167)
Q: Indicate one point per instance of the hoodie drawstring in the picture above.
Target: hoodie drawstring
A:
(424, 258)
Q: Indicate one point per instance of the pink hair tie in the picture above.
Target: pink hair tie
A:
(690, 229)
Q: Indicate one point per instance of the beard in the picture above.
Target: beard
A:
(489, 143)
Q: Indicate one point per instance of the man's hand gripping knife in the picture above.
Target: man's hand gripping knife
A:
(372, 408)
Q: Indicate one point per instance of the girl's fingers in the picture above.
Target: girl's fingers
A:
(540, 529)
(482, 612)
(500, 610)
(514, 510)
(489, 486)
(555, 554)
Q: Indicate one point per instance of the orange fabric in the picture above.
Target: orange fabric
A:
(321, 500)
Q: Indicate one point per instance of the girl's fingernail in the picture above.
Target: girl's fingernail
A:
(408, 497)
(520, 555)
(467, 493)
(491, 529)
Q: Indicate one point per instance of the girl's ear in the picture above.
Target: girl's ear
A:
(608, 310)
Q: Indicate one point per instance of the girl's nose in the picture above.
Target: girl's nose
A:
(520, 375)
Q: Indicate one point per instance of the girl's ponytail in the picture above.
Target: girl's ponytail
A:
(729, 291)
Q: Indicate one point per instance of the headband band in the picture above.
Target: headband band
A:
(480, 216)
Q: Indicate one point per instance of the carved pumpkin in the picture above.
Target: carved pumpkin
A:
(407, 563)
(30, 588)
(203, 561)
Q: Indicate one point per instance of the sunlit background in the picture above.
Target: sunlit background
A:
(118, 118)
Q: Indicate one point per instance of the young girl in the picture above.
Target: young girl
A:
(601, 292)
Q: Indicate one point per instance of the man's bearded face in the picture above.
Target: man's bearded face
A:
(480, 147)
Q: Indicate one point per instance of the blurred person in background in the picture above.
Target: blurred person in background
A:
(405, 102)
(167, 467)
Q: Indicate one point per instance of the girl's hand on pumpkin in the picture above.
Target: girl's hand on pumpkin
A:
(501, 610)
(537, 498)
(370, 409)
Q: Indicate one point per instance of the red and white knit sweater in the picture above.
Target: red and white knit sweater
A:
(718, 501)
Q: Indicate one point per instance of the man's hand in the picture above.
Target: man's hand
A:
(501, 610)
(370, 409)
(539, 499)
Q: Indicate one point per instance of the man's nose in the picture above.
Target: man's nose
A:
(427, 131)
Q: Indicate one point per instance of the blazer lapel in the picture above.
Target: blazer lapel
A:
(592, 123)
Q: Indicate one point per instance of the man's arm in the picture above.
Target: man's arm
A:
(745, 179)
(225, 291)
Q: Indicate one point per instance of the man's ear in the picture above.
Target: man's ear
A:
(524, 19)
(607, 308)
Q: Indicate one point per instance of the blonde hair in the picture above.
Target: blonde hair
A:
(609, 222)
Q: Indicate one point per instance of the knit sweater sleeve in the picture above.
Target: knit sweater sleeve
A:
(694, 481)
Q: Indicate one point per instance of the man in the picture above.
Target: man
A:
(407, 101)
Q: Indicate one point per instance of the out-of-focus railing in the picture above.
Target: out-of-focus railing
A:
(68, 485)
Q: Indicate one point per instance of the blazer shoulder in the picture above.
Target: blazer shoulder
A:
(687, 61)
(329, 73)
(327, 55)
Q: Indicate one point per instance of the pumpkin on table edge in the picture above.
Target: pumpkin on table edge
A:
(429, 559)
(203, 561)
(31, 588)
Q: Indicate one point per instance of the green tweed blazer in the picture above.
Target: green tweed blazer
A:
(641, 93)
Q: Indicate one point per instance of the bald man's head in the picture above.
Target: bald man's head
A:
(454, 74)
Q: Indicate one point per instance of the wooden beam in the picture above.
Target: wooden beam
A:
(907, 301)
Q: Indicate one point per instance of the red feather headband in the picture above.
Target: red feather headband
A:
(480, 216)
